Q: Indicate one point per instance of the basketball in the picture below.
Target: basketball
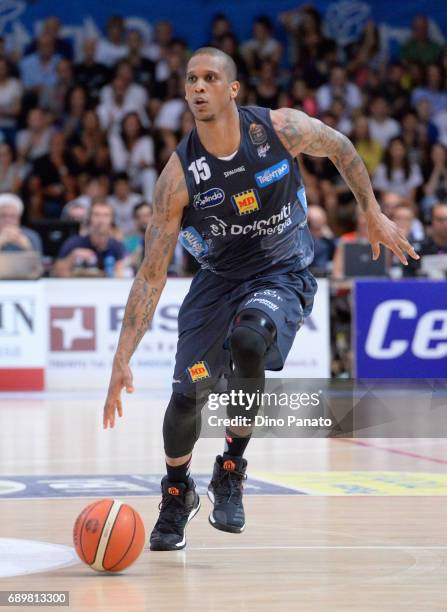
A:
(109, 535)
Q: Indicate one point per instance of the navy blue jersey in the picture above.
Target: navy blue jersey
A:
(248, 215)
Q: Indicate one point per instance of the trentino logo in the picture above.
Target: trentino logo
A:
(193, 242)
(272, 174)
(211, 197)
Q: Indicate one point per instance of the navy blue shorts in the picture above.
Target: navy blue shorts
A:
(206, 317)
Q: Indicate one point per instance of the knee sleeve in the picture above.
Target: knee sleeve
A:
(253, 333)
(181, 425)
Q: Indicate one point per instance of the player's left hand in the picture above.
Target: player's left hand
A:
(381, 230)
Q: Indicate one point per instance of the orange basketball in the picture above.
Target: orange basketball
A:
(109, 535)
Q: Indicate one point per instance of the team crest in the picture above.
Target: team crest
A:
(257, 134)
(246, 202)
(199, 371)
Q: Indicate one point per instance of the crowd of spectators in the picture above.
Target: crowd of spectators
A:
(84, 133)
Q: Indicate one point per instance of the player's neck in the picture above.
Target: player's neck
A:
(222, 136)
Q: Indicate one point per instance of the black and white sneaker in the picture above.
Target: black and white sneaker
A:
(225, 492)
(179, 504)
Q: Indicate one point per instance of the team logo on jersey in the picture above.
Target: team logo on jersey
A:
(199, 371)
(272, 174)
(263, 150)
(211, 197)
(257, 134)
(246, 202)
(193, 242)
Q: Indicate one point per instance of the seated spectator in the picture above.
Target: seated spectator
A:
(370, 150)
(51, 182)
(132, 151)
(52, 97)
(403, 217)
(339, 88)
(39, 69)
(414, 136)
(34, 141)
(436, 242)
(228, 44)
(381, 126)
(419, 48)
(143, 68)
(360, 234)
(268, 91)
(393, 90)
(163, 36)
(396, 173)
(303, 98)
(123, 202)
(95, 251)
(134, 242)
(75, 105)
(435, 179)
(10, 102)
(113, 48)
(52, 27)
(135, 96)
(433, 90)
(220, 27)
(89, 73)
(95, 188)
(427, 129)
(390, 201)
(13, 236)
(171, 109)
(89, 148)
(324, 245)
(263, 46)
(118, 101)
(11, 173)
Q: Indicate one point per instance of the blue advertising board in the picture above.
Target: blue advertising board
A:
(400, 329)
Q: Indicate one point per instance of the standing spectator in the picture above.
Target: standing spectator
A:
(381, 126)
(123, 202)
(396, 173)
(13, 236)
(89, 73)
(436, 242)
(132, 151)
(34, 141)
(113, 48)
(419, 48)
(263, 46)
(96, 250)
(39, 69)
(339, 88)
(11, 91)
(11, 173)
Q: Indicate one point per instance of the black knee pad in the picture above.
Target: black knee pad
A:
(253, 333)
(182, 424)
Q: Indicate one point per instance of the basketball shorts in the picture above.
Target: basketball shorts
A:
(206, 318)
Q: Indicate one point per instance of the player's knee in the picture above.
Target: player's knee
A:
(181, 425)
(247, 345)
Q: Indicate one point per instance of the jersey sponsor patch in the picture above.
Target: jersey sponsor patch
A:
(209, 198)
(302, 198)
(272, 174)
(257, 134)
(193, 242)
(199, 371)
(246, 202)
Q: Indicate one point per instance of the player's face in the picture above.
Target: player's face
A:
(208, 89)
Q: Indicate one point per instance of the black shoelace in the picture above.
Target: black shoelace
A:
(172, 513)
(230, 483)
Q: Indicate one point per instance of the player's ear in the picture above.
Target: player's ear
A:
(234, 89)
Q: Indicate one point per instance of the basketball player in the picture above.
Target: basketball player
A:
(234, 193)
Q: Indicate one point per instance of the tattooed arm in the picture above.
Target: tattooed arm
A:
(170, 198)
(299, 133)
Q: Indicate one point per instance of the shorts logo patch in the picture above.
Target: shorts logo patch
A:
(199, 371)
(246, 202)
(257, 134)
(211, 197)
(272, 174)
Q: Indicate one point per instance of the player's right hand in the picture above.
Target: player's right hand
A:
(121, 378)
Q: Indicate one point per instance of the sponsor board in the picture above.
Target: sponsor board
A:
(401, 329)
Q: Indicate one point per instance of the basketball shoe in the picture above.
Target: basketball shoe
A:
(225, 492)
(179, 504)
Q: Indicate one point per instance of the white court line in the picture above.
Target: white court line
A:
(335, 547)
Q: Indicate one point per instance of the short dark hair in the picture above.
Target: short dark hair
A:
(228, 62)
(138, 207)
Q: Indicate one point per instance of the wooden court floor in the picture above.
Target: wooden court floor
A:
(331, 524)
